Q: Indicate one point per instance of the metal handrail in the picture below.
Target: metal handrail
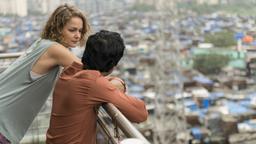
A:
(108, 133)
(122, 122)
(10, 55)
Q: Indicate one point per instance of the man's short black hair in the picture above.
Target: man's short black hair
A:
(103, 51)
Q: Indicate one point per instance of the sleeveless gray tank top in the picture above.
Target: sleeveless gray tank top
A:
(22, 97)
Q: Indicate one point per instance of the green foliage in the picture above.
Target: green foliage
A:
(210, 63)
(199, 9)
(221, 39)
(243, 8)
(142, 7)
(35, 13)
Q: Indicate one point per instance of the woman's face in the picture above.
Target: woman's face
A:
(71, 33)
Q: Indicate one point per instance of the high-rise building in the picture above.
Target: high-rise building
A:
(72, 2)
(210, 2)
(99, 6)
(14, 7)
(42, 6)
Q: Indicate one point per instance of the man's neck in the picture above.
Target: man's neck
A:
(102, 73)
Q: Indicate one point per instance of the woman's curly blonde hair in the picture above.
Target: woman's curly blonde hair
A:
(58, 20)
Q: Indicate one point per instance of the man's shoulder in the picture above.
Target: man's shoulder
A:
(71, 70)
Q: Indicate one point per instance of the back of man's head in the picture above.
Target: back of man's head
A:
(103, 51)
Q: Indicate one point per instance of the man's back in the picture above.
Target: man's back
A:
(77, 95)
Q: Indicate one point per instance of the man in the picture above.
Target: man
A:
(78, 93)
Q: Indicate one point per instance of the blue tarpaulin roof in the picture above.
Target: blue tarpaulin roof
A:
(237, 109)
(202, 79)
(196, 132)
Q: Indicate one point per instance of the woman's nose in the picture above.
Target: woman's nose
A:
(78, 35)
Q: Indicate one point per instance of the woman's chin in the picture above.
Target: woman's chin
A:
(72, 46)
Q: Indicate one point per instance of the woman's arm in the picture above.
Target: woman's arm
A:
(62, 56)
(55, 55)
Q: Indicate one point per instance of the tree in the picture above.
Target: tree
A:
(221, 39)
(142, 7)
(210, 63)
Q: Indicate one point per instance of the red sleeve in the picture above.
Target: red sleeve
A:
(133, 109)
(72, 69)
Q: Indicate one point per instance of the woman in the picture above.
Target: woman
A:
(27, 83)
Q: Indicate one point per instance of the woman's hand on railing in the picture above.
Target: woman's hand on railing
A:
(118, 83)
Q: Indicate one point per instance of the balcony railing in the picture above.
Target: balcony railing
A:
(119, 121)
(112, 124)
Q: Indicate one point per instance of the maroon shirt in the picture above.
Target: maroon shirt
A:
(76, 95)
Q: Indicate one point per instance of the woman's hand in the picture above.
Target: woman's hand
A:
(118, 83)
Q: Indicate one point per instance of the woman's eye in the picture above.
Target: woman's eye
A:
(72, 30)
